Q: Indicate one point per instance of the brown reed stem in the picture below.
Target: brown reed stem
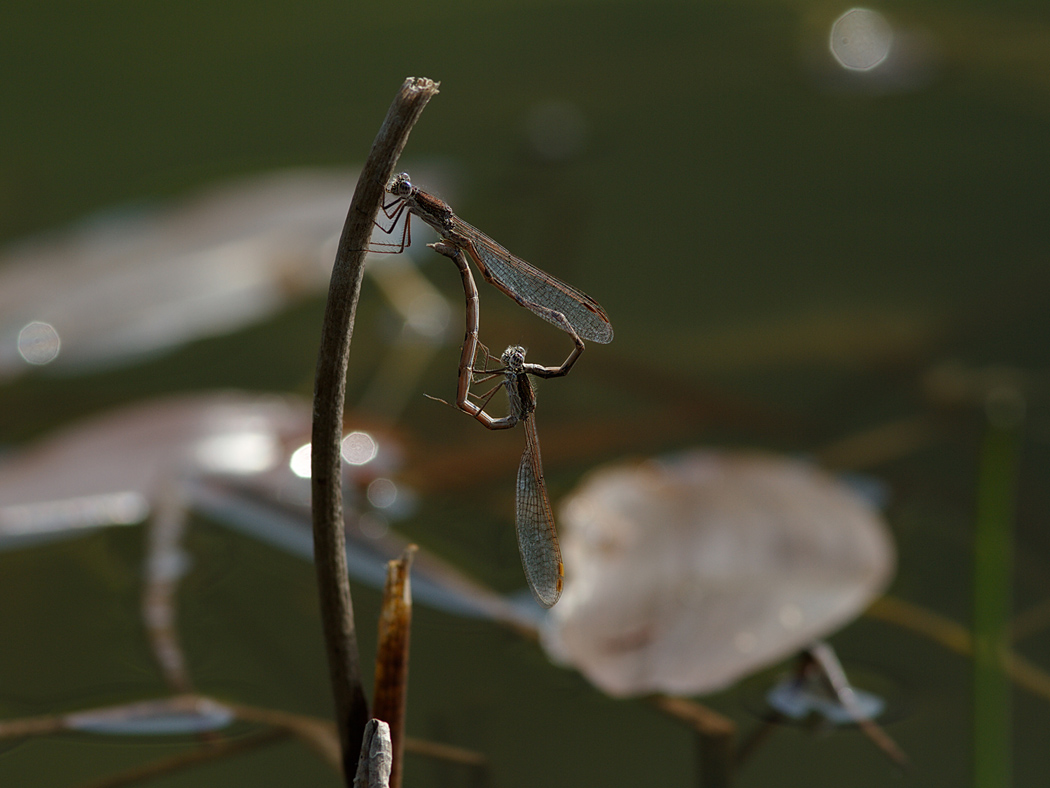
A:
(337, 618)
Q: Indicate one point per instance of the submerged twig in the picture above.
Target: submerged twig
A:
(446, 752)
(830, 672)
(955, 637)
(715, 737)
(159, 597)
(351, 708)
(317, 734)
(175, 763)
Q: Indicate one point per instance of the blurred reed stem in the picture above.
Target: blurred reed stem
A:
(993, 573)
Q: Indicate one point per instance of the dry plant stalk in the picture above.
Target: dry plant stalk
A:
(391, 680)
(337, 617)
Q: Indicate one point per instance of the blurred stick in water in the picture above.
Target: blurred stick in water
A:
(715, 737)
(170, 716)
(175, 763)
(819, 676)
(391, 681)
(167, 716)
(957, 638)
(164, 568)
(351, 707)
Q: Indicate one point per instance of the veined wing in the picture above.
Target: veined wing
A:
(531, 287)
(537, 537)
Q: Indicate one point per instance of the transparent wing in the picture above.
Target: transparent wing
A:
(533, 288)
(537, 537)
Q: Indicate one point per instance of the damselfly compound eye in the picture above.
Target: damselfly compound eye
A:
(400, 186)
(514, 358)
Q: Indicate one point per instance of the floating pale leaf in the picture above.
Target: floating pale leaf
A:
(685, 575)
(233, 456)
(109, 469)
(136, 281)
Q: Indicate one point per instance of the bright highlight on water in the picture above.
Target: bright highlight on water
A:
(861, 39)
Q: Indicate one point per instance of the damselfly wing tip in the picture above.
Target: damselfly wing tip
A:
(547, 599)
(548, 596)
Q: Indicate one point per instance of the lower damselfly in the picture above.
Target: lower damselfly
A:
(534, 518)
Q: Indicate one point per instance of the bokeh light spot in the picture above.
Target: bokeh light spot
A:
(861, 39)
(382, 493)
(38, 343)
(373, 525)
(300, 462)
(359, 448)
(238, 452)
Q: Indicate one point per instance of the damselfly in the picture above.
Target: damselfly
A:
(534, 518)
(536, 290)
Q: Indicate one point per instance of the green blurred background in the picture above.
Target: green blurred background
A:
(789, 252)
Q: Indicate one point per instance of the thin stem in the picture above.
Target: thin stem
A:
(337, 618)
(187, 760)
(993, 564)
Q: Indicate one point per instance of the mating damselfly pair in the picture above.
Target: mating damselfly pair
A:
(559, 303)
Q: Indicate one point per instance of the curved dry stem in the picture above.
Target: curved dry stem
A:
(330, 386)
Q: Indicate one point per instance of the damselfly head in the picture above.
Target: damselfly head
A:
(513, 359)
(400, 185)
